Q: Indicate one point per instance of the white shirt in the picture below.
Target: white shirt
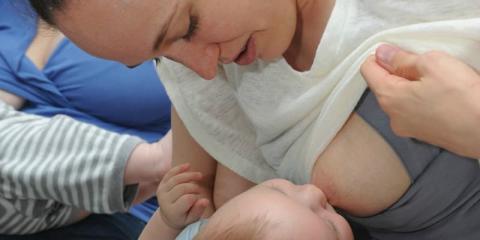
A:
(267, 120)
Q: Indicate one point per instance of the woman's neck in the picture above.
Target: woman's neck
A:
(312, 19)
(43, 45)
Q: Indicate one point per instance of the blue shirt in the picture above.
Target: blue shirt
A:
(74, 83)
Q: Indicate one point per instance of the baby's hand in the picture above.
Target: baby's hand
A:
(179, 198)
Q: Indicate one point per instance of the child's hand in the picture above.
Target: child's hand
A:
(179, 198)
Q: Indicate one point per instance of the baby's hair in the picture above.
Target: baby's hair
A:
(255, 229)
(46, 8)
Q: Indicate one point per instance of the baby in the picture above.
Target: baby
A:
(274, 209)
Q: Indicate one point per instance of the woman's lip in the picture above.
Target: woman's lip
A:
(249, 55)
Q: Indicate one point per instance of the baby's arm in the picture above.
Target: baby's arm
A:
(180, 204)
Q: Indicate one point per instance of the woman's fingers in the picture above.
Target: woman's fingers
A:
(399, 62)
(378, 78)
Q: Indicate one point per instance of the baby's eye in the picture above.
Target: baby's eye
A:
(192, 28)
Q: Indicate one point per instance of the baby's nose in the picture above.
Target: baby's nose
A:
(315, 195)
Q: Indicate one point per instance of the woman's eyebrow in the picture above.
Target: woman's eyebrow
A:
(163, 32)
(161, 36)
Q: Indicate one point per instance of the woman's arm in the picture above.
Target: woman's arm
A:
(56, 158)
(228, 184)
(187, 150)
(54, 165)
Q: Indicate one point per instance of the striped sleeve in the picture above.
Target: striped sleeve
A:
(50, 165)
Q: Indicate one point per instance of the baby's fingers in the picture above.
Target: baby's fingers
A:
(175, 170)
(182, 189)
(185, 203)
(197, 210)
(180, 178)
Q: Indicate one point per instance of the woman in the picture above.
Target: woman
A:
(269, 119)
(42, 73)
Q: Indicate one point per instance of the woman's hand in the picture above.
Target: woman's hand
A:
(147, 165)
(149, 162)
(431, 97)
(179, 198)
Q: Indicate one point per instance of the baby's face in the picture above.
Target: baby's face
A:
(296, 212)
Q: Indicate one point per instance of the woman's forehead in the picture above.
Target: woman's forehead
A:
(119, 7)
(90, 16)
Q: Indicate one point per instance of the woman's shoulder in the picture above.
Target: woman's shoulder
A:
(17, 25)
(16, 14)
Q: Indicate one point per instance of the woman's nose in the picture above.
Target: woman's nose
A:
(201, 59)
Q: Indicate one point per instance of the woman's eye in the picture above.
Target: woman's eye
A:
(192, 28)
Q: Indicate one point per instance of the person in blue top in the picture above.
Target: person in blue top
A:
(47, 75)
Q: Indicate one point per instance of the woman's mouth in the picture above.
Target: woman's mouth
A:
(248, 54)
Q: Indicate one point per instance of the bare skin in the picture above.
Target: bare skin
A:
(359, 171)
(289, 28)
(356, 152)
(341, 173)
(301, 55)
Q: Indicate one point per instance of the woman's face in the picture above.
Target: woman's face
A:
(296, 211)
(196, 33)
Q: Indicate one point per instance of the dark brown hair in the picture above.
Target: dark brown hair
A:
(46, 8)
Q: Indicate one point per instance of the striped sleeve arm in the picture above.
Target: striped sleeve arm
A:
(31, 218)
(64, 160)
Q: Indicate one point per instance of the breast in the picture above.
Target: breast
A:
(359, 171)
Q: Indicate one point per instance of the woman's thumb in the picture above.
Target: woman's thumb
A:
(398, 62)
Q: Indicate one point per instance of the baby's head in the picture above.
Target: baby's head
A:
(277, 209)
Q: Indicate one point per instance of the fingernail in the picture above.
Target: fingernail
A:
(385, 53)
